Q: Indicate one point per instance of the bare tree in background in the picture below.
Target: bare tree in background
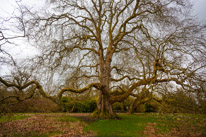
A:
(11, 29)
(134, 42)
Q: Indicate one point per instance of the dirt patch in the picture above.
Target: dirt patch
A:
(78, 114)
(151, 131)
(181, 131)
(184, 132)
(43, 124)
(84, 117)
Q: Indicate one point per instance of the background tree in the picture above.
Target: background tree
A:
(11, 29)
(132, 42)
(141, 98)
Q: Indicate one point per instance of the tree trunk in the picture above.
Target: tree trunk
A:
(104, 108)
(133, 106)
(138, 101)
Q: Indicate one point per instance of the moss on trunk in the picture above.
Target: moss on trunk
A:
(104, 109)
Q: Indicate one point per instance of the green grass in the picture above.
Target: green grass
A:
(181, 122)
(12, 117)
(134, 125)
(128, 125)
(68, 119)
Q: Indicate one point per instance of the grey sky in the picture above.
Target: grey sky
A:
(200, 9)
(7, 6)
(24, 50)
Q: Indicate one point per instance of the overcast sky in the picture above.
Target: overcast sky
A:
(200, 9)
(7, 7)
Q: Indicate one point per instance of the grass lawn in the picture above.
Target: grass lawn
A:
(12, 117)
(151, 125)
(64, 124)
(128, 125)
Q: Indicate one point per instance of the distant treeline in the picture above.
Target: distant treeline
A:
(170, 104)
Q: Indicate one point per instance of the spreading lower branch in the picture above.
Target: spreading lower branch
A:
(147, 81)
(96, 85)
(43, 93)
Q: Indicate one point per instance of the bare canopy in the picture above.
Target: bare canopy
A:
(114, 42)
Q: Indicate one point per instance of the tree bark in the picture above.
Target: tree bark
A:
(104, 108)
(138, 101)
(133, 106)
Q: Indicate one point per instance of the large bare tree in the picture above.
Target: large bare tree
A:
(115, 42)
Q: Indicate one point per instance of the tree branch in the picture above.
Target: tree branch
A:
(96, 85)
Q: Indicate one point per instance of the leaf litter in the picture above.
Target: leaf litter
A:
(43, 124)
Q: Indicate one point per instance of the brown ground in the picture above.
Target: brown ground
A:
(50, 125)
(45, 125)
(151, 131)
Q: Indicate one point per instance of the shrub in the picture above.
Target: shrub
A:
(140, 108)
(118, 107)
(72, 105)
(35, 105)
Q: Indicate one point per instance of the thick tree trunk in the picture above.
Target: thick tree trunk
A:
(104, 108)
